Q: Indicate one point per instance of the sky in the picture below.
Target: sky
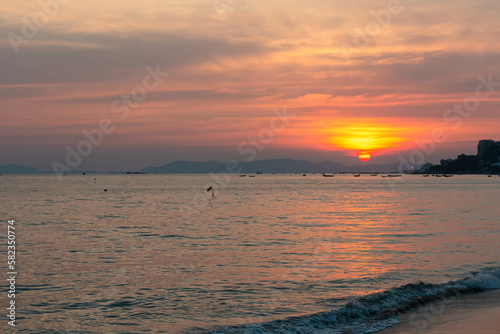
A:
(395, 79)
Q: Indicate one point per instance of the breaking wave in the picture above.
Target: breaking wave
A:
(373, 312)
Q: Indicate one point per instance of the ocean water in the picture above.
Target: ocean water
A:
(269, 254)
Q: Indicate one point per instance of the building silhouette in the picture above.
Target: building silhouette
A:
(488, 151)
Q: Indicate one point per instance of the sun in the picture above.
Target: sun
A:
(365, 156)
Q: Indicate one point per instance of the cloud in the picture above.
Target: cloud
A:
(173, 95)
(102, 57)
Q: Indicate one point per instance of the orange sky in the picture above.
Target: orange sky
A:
(228, 71)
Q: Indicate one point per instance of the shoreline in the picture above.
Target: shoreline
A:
(477, 313)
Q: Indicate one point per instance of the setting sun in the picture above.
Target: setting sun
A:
(365, 156)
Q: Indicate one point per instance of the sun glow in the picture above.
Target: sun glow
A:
(365, 156)
(366, 137)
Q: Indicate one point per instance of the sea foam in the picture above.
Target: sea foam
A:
(373, 312)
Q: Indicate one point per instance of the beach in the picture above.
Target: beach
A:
(476, 313)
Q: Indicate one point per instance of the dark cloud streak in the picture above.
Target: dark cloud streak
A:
(98, 58)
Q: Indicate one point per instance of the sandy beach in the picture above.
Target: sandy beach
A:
(477, 313)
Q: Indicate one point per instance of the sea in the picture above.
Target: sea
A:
(272, 253)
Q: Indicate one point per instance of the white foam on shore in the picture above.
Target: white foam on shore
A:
(486, 280)
(373, 312)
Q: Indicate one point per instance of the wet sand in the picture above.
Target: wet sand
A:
(476, 313)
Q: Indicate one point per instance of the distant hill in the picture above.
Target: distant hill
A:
(268, 166)
(18, 169)
(182, 166)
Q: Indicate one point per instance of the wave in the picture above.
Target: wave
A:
(373, 312)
